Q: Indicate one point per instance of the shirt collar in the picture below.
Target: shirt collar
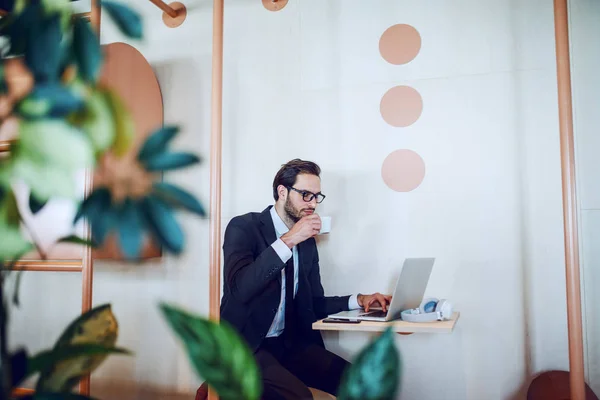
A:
(280, 227)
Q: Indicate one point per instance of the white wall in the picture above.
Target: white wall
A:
(306, 82)
(585, 61)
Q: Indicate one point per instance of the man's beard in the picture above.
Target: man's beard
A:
(292, 213)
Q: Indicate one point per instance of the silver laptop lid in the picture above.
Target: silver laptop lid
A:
(411, 285)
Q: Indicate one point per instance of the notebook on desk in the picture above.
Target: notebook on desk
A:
(409, 291)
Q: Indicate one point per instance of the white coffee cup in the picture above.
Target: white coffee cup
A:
(325, 225)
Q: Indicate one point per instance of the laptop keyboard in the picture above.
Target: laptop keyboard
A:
(376, 314)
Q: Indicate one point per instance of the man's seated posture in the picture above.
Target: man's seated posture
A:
(273, 292)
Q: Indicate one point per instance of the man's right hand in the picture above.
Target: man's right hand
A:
(306, 228)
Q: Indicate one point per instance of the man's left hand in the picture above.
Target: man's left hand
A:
(376, 299)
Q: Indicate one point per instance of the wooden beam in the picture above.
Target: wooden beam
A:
(569, 196)
(165, 7)
(48, 265)
(215, 166)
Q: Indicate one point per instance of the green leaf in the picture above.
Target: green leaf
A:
(375, 373)
(162, 224)
(124, 125)
(97, 121)
(31, 108)
(48, 154)
(45, 180)
(12, 241)
(18, 26)
(46, 360)
(178, 197)
(57, 6)
(49, 99)
(170, 161)
(88, 53)
(13, 244)
(55, 143)
(128, 21)
(77, 240)
(97, 209)
(130, 229)
(43, 52)
(9, 210)
(36, 205)
(3, 85)
(97, 326)
(217, 353)
(157, 142)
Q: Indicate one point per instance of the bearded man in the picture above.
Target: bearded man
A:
(272, 290)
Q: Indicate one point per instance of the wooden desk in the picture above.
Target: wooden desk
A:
(398, 326)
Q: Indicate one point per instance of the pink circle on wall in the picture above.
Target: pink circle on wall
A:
(401, 106)
(400, 44)
(403, 170)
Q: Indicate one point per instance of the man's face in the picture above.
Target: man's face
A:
(295, 207)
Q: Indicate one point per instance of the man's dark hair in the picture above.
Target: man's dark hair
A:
(288, 172)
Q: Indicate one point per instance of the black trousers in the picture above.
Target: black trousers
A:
(288, 370)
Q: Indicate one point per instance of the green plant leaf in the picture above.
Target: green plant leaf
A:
(124, 125)
(3, 85)
(45, 180)
(87, 51)
(157, 142)
(9, 210)
(162, 224)
(128, 21)
(36, 205)
(13, 245)
(170, 161)
(17, 26)
(178, 197)
(130, 229)
(46, 360)
(48, 154)
(97, 326)
(31, 108)
(217, 353)
(55, 143)
(43, 52)
(77, 240)
(97, 209)
(96, 120)
(49, 99)
(375, 373)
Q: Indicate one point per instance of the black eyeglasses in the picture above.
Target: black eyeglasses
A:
(308, 196)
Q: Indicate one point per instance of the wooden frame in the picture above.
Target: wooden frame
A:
(569, 195)
(215, 167)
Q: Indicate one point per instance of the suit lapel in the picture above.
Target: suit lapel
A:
(266, 226)
(267, 229)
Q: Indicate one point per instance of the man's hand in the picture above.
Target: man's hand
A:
(306, 228)
(375, 299)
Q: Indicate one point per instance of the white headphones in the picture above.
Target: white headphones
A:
(431, 309)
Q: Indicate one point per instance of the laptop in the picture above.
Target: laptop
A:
(410, 288)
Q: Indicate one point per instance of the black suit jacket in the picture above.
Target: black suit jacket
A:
(252, 281)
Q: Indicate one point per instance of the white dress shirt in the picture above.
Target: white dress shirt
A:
(285, 253)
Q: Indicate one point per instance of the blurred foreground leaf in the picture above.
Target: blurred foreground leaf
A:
(96, 327)
(218, 354)
(375, 373)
